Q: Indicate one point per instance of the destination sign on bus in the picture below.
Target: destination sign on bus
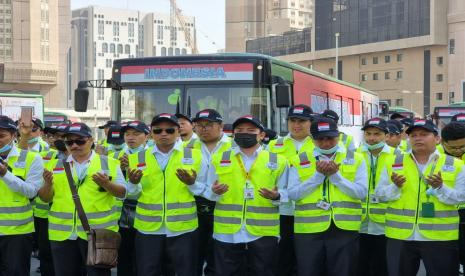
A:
(446, 112)
(187, 72)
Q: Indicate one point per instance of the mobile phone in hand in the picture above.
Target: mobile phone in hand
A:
(26, 115)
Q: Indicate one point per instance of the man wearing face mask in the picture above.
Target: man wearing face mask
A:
(298, 140)
(212, 140)
(247, 183)
(327, 186)
(167, 177)
(20, 179)
(135, 134)
(33, 140)
(346, 140)
(423, 189)
(115, 142)
(378, 156)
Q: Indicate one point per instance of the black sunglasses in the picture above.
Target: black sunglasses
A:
(170, 130)
(77, 142)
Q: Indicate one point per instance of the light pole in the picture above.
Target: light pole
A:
(337, 55)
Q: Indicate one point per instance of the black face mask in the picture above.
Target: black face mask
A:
(245, 140)
(60, 145)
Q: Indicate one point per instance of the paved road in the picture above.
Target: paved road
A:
(35, 264)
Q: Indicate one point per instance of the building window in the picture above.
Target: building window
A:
(399, 75)
(364, 77)
(364, 61)
(101, 27)
(127, 49)
(375, 60)
(439, 77)
(439, 96)
(451, 46)
(104, 47)
(163, 51)
(112, 48)
(331, 71)
(387, 59)
(399, 102)
(387, 75)
(440, 60)
(375, 76)
(131, 29)
(184, 51)
(115, 29)
(451, 97)
(399, 57)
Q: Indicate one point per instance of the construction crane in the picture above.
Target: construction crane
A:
(176, 16)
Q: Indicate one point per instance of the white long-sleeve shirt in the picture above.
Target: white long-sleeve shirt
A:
(243, 236)
(388, 191)
(357, 189)
(33, 182)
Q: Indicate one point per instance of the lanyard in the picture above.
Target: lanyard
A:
(325, 188)
(373, 167)
(422, 177)
(244, 171)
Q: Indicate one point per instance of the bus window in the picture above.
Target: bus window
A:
(346, 119)
(231, 102)
(319, 101)
(335, 105)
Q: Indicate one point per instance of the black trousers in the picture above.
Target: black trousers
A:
(69, 258)
(330, 253)
(15, 255)
(205, 210)
(287, 263)
(126, 253)
(151, 252)
(372, 257)
(441, 258)
(261, 256)
(462, 236)
(45, 252)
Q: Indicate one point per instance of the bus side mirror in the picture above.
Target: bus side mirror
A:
(283, 95)
(81, 97)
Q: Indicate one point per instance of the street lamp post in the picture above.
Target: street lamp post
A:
(337, 56)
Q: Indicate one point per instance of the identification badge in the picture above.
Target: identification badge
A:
(248, 193)
(427, 209)
(272, 166)
(187, 161)
(322, 204)
(20, 165)
(448, 168)
(374, 199)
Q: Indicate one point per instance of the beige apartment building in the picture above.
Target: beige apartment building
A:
(250, 19)
(411, 52)
(34, 48)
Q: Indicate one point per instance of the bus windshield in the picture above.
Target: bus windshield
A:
(231, 101)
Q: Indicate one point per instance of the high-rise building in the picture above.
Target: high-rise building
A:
(402, 49)
(100, 35)
(34, 48)
(251, 19)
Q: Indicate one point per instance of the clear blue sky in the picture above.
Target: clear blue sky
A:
(209, 15)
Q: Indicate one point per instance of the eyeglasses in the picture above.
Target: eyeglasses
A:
(207, 126)
(77, 142)
(459, 148)
(170, 130)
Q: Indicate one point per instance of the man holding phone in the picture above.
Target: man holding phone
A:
(20, 179)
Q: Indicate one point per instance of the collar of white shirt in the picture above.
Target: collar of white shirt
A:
(288, 136)
(386, 148)
(71, 158)
(432, 156)
(178, 146)
(237, 150)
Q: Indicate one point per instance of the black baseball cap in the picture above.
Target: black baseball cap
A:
(397, 123)
(7, 123)
(427, 125)
(165, 117)
(115, 135)
(396, 115)
(324, 127)
(407, 121)
(183, 116)
(109, 124)
(50, 129)
(378, 123)
(79, 129)
(300, 111)
(393, 129)
(331, 114)
(209, 115)
(270, 135)
(136, 125)
(460, 117)
(61, 128)
(249, 119)
(38, 122)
